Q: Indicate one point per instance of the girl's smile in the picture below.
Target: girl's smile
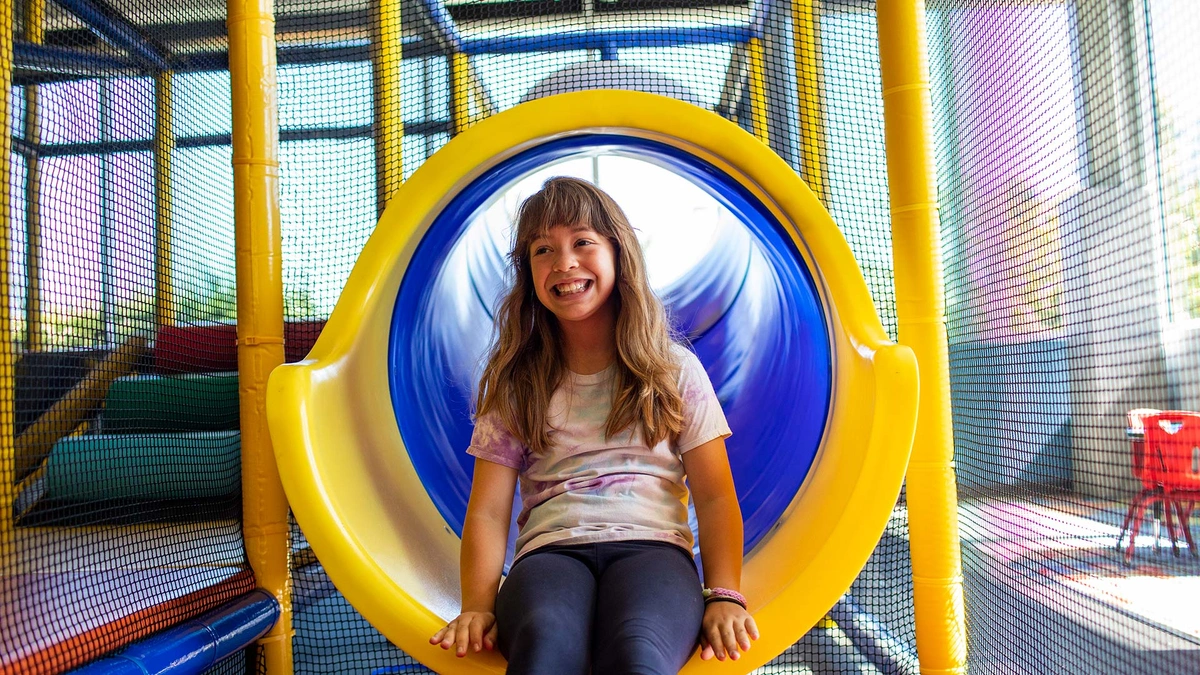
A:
(574, 272)
(571, 288)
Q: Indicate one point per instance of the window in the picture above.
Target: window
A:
(202, 240)
(327, 209)
(129, 109)
(1173, 30)
(508, 76)
(70, 243)
(322, 96)
(70, 112)
(1007, 148)
(202, 104)
(700, 68)
(857, 166)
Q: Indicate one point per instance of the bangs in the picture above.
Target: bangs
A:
(560, 202)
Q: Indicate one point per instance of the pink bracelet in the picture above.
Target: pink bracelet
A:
(723, 595)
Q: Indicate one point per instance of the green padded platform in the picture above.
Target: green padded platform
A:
(144, 467)
(156, 403)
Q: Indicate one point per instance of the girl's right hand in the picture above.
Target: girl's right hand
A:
(474, 629)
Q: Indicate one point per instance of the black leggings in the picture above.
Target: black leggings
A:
(629, 607)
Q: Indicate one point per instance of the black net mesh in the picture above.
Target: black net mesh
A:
(1067, 158)
(1067, 141)
(126, 500)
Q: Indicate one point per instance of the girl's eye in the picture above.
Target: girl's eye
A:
(584, 242)
(540, 250)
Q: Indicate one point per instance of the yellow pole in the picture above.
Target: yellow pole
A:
(389, 118)
(921, 319)
(486, 106)
(259, 245)
(164, 147)
(757, 83)
(34, 33)
(7, 344)
(460, 92)
(805, 33)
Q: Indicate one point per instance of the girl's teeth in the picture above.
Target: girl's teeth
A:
(568, 289)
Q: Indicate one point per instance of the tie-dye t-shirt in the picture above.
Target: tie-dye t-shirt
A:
(586, 488)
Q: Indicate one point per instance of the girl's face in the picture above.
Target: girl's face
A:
(574, 272)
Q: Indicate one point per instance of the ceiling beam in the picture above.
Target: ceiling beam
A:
(118, 31)
(60, 62)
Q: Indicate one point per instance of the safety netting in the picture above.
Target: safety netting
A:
(122, 509)
(1067, 140)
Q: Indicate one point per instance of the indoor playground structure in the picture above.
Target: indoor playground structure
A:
(940, 259)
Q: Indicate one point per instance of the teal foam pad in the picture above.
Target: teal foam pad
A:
(144, 467)
(157, 403)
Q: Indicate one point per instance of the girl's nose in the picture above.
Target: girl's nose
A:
(565, 261)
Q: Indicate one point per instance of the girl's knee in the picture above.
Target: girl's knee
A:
(536, 644)
(639, 649)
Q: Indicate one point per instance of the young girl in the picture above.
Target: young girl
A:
(588, 401)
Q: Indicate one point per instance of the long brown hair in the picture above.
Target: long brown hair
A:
(526, 364)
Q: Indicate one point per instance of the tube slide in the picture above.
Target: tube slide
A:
(370, 430)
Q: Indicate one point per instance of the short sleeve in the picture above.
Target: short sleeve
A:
(492, 441)
(703, 418)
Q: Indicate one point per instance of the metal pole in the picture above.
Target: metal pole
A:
(806, 32)
(756, 80)
(783, 105)
(921, 319)
(259, 247)
(389, 119)
(460, 92)
(107, 316)
(7, 344)
(164, 147)
(34, 33)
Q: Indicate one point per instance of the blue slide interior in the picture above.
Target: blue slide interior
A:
(750, 309)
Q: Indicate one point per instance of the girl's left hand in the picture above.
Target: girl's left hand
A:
(726, 631)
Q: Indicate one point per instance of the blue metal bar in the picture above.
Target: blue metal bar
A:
(758, 16)
(609, 39)
(442, 26)
(285, 136)
(349, 52)
(608, 42)
(217, 61)
(58, 59)
(872, 639)
(110, 25)
(195, 646)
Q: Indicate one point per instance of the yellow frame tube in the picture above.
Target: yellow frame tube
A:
(35, 338)
(469, 102)
(486, 107)
(7, 351)
(164, 148)
(805, 32)
(757, 83)
(389, 118)
(259, 245)
(460, 92)
(921, 318)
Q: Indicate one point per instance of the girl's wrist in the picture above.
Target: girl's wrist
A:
(719, 594)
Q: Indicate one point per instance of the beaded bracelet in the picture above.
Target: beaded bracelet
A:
(724, 595)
